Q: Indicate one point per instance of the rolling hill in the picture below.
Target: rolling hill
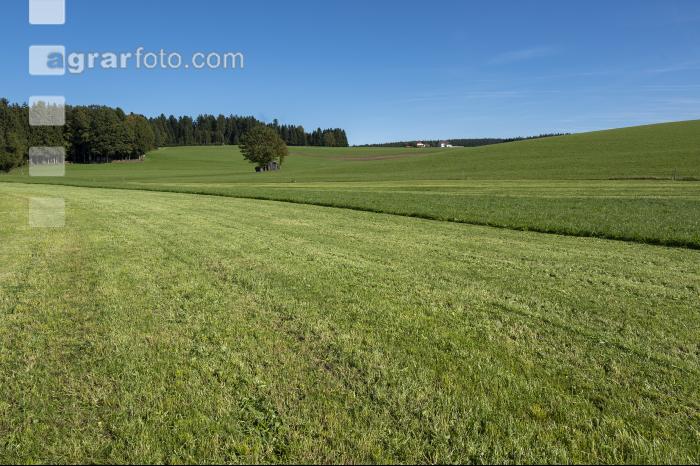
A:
(616, 184)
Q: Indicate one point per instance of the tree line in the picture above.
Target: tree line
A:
(91, 134)
(222, 130)
(101, 134)
(474, 142)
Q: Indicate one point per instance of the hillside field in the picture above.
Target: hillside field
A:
(166, 327)
(183, 314)
(632, 184)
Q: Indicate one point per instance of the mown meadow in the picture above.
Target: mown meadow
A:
(183, 314)
(637, 184)
(164, 327)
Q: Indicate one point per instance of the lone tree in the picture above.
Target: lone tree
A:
(262, 146)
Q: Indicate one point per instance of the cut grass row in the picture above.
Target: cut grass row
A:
(160, 327)
(661, 213)
(560, 185)
(652, 212)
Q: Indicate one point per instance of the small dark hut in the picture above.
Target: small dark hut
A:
(269, 167)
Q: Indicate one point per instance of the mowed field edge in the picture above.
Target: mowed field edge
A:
(615, 184)
(165, 327)
(665, 213)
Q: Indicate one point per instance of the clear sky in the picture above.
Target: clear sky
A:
(384, 70)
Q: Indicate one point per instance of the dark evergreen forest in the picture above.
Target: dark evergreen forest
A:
(100, 134)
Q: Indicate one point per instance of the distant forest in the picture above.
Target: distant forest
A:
(463, 142)
(218, 130)
(99, 134)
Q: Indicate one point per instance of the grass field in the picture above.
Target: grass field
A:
(165, 327)
(616, 184)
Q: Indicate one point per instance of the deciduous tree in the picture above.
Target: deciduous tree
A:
(263, 145)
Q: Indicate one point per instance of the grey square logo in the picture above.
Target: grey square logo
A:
(47, 111)
(47, 161)
(47, 60)
(47, 12)
(47, 212)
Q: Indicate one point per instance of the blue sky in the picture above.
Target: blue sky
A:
(384, 70)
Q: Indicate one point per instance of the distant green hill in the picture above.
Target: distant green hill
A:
(643, 151)
(656, 151)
